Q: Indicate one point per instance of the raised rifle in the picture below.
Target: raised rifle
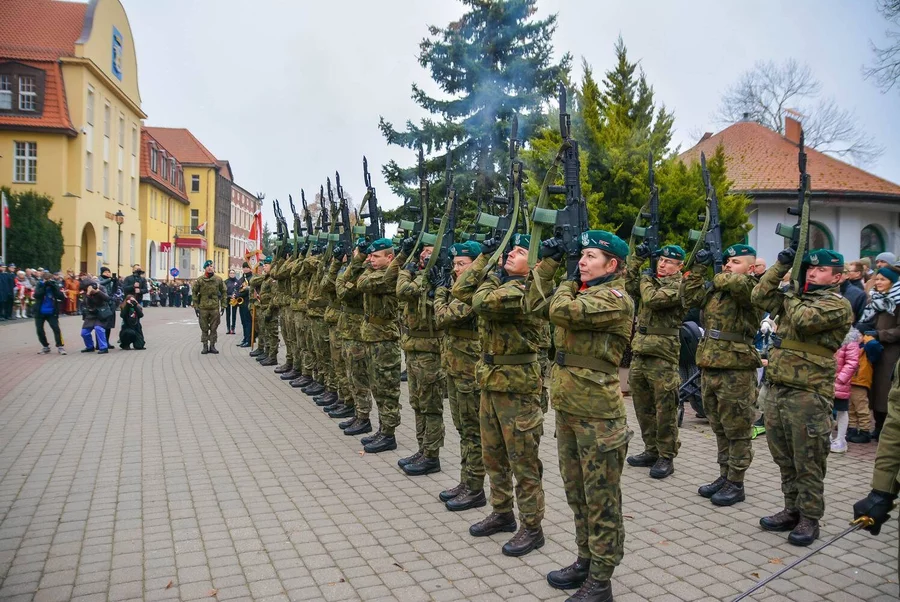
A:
(328, 235)
(280, 229)
(799, 234)
(375, 228)
(419, 227)
(646, 225)
(710, 236)
(297, 227)
(307, 217)
(567, 223)
(440, 256)
(346, 236)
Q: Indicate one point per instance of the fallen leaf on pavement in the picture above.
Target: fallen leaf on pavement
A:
(628, 516)
(341, 580)
(212, 593)
(754, 575)
(169, 584)
(362, 452)
(399, 567)
(776, 561)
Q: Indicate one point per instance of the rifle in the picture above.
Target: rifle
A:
(297, 227)
(649, 212)
(375, 227)
(447, 224)
(281, 229)
(346, 237)
(710, 236)
(307, 218)
(329, 225)
(799, 233)
(567, 223)
(419, 227)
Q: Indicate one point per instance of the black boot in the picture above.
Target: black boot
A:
(409, 459)
(302, 381)
(384, 443)
(859, 437)
(709, 489)
(332, 406)
(256, 352)
(296, 383)
(269, 362)
(466, 500)
(494, 523)
(422, 466)
(643, 459)
(448, 494)
(806, 532)
(262, 357)
(345, 424)
(290, 375)
(205, 349)
(571, 576)
(212, 349)
(342, 411)
(283, 368)
(325, 399)
(663, 468)
(785, 520)
(367, 440)
(729, 495)
(524, 541)
(358, 428)
(593, 591)
(313, 389)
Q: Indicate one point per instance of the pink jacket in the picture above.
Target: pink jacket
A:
(847, 359)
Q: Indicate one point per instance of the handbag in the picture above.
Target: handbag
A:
(104, 313)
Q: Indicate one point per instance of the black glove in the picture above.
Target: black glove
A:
(703, 257)
(436, 276)
(338, 252)
(876, 506)
(222, 311)
(575, 276)
(643, 250)
(552, 249)
(490, 246)
(786, 257)
(407, 245)
(317, 250)
(411, 268)
(304, 249)
(363, 246)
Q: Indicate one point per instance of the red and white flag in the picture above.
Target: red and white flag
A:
(255, 240)
(6, 221)
(201, 227)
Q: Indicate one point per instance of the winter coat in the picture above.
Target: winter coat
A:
(846, 360)
(54, 289)
(865, 372)
(92, 305)
(887, 326)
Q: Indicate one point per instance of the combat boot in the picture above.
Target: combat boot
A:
(358, 428)
(422, 466)
(448, 494)
(304, 380)
(332, 406)
(593, 591)
(283, 368)
(729, 495)
(313, 388)
(261, 358)
(324, 400)
(495, 522)
(524, 541)
(290, 375)
(271, 361)
(256, 352)
(382, 444)
(297, 383)
(663, 468)
(709, 489)
(571, 576)
(643, 459)
(205, 349)
(785, 520)
(806, 532)
(370, 438)
(345, 424)
(342, 411)
(466, 500)
(409, 459)
(212, 348)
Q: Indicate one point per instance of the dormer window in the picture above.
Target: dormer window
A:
(6, 92)
(21, 89)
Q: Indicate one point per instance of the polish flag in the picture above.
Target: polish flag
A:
(6, 221)
(255, 240)
(202, 227)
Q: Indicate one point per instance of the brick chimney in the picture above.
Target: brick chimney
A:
(792, 128)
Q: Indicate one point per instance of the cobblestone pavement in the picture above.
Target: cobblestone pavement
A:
(165, 474)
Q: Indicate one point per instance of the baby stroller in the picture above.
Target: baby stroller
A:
(689, 392)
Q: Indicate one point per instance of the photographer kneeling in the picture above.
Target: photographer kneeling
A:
(96, 315)
(132, 333)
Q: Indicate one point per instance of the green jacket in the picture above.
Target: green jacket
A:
(659, 307)
(315, 302)
(327, 287)
(208, 293)
(419, 330)
(462, 349)
(351, 319)
(379, 289)
(887, 459)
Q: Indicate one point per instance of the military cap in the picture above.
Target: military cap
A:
(605, 241)
(824, 257)
(379, 245)
(360, 240)
(207, 263)
(245, 265)
(740, 250)
(521, 240)
(267, 259)
(470, 248)
(672, 252)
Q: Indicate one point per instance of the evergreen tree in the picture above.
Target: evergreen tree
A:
(33, 240)
(268, 240)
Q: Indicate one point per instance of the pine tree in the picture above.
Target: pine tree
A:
(33, 240)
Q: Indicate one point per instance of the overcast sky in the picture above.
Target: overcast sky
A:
(291, 91)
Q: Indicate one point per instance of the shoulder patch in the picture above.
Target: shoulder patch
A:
(616, 293)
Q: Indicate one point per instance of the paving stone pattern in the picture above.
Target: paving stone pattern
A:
(167, 475)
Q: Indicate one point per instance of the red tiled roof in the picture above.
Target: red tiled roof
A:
(55, 114)
(181, 143)
(147, 143)
(42, 30)
(761, 160)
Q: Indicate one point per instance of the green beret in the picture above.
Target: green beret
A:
(740, 250)
(470, 248)
(824, 257)
(521, 240)
(207, 263)
(605, 241)
(672, 252)
(379, 245)
(267, 259)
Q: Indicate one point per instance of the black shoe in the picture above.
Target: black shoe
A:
(422, 466)
(212, 349)
(296, 383)
(325, 400)
(283, 368)
(494, 523)
(244, 345)
(271, 361)
(806, 532)
(345, 424)
(409, 459)
(663, 468)
(290, 375)
(370, 438)
(860, 437)
(332, 406)
(572, 576)
(593, 591)
(205, 349)
(785, 520)
(303, 381)
(876, 435)
(385, 443)
(448, 494)
(256, 352)
(709, 489)
(466, 500)
(523, 542)
(358, 428)
(342, 411)
(261, 358)
(91, 350)
(403, 376)
(102, 351)
(313, 389)
(643, 460)
(729, 495)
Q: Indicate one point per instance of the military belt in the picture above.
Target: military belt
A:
(352, 310)
(463, 333)
(421, 334)
(317, 303)
(583, 361)
(509, 360)
(720, 335)
(671, 332)
(379, 321)
(793, 345)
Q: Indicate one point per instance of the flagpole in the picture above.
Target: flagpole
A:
(4, 209)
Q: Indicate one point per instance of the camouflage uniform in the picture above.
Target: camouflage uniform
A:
(332, 316)
(654, 379)
(296, 313)
(381, 333)
(282, 300)
(546, 364)
(349, 327)
(509, 376)
(209, 298)
(274, 308)
(798, 398)
(258, 309)
(267, 324)
(592, 329)
(319, 341)
(459, 357)
(421, 341)
(729, 366)
(300, 286)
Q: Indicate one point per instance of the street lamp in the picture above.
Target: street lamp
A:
(120, 219)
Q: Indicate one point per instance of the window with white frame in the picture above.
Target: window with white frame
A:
(27, 94)
(89, 170)
(120, 187)
(6, 92)
(134, 139)
(25, 162)
(134, 191)
(153, 167)
(90, 106)
(131, 259)
(152, 203)
(172, 171)
(106, 120)
(195, 183)
(121, 131)
(106, 179)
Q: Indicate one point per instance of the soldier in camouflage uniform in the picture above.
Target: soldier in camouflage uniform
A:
(421, 341)
(270, 324)
(283, 301)
(259, 308)
(799, 392)
(460, 355)
(289, 317)
(728, 361)
(209, 302)
(312, 315)
(378, 285)
(509, 376)
(299, 287)
(654, 379)
(592, 316)
(354, 350)
(322, 389)
(343, 405)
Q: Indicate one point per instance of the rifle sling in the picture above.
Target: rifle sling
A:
(792, 345)
(721, 335)
(583, 361)
(420, 334)
(379, 321)
(670, 332)
(463, 333)
(519, 359)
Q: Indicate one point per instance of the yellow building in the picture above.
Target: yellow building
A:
(70, 114)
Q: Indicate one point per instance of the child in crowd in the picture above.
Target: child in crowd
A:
(847, 360)
(859, 430)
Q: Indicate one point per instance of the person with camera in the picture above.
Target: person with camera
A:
(132, 333)
(110, 284)
(136, 284)
(209, 302)
(231, 289)
(48, 295)
(96, 314)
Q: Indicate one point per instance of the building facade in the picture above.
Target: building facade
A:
(244, 206)
(70, 114)
(852, 211)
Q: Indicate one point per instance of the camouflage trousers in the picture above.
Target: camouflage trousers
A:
(545, 363)
(729, 401)
(209, 325)
(299, 320)
(341, 387)
(426, 397)
(288, 332)
(798, 431)
(270, 332)
(654, 386)
(310, 365)
(464, 400)
(356, 366)
(383, 365)
(511, 429)
(321, 348)
(591, 457)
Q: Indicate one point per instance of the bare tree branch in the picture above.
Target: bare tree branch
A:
(886, 69)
